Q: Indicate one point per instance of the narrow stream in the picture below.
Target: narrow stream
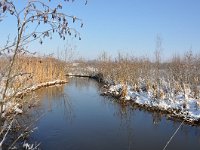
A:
(76, 117)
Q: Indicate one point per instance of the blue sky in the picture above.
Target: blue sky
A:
(131, 26)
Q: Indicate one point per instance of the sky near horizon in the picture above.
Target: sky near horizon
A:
(129, 26)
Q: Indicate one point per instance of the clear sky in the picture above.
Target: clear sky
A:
(131, 26)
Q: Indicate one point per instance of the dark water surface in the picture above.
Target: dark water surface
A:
(78, 118)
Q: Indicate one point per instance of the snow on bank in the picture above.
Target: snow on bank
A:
(11, 105)
(185, 108)
(38, 86)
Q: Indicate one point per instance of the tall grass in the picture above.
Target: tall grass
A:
(30, 70)
(164, 79)
(41, 69)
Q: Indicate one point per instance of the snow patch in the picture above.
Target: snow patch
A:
(187, 108)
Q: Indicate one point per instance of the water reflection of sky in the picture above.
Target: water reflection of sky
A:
(79, 118)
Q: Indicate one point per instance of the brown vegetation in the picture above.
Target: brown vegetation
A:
(41, 69)
(164, 79)
(30, 70)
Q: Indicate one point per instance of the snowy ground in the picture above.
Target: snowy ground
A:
(12, 93)
(188, 109)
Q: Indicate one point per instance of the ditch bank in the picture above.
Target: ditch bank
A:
(179, 109)
(14, 107)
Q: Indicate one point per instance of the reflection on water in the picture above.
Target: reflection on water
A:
(77, 117)
(56, 97)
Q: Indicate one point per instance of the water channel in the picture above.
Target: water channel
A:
(76, 117)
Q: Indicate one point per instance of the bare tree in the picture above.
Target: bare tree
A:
(35, 13)
(35, 20)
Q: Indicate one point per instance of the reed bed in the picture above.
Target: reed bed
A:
(180, 74)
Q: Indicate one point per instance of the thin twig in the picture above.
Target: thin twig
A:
(173, 135)
(25, 131)
(4, 137)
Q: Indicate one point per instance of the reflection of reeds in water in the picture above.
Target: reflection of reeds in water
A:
(51, 96)
(51, 93)
(125, 114)
(156, 117)
(56, 95)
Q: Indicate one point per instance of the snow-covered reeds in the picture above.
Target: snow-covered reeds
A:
(174, 83)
